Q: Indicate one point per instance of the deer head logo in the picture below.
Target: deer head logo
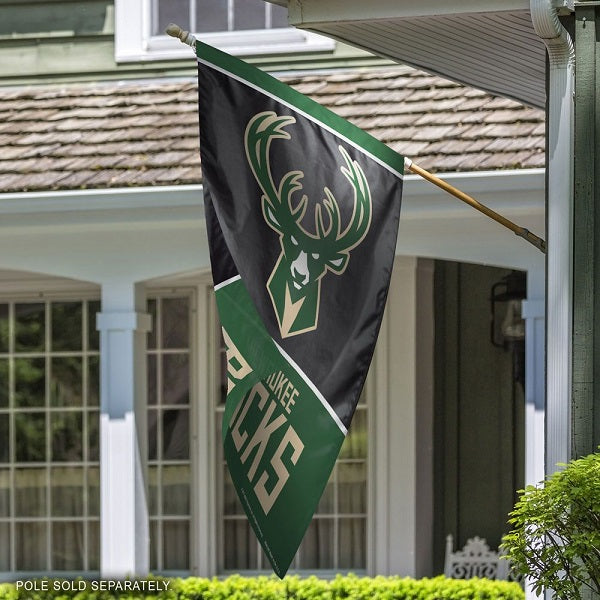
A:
(295, 283)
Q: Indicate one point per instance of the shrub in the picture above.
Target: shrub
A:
(556, 531)
(293, 588)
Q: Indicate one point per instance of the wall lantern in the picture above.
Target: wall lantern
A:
(507, 327)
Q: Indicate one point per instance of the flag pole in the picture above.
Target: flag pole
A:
(538, 242)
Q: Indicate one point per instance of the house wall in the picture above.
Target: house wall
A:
(118, 243)
(112, 241)
(74, 40)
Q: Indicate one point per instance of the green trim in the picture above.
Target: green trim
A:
(274, 87)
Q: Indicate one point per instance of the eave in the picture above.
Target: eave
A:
(487, 44)
(170, 219)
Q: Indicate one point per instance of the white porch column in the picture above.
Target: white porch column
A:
(534, 313)
(535, 379)
(124, 530)
(401, 426)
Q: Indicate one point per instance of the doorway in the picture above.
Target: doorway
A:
(479, 406)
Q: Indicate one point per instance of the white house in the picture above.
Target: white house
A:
(110, 356)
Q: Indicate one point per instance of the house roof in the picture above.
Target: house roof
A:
(146, 133)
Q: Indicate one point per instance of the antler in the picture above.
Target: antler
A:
(278, 211)
(276, 201)
(356, 230)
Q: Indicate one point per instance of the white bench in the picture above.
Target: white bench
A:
(477, 560)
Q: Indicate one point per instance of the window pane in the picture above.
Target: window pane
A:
(240, 545)
(30, 492)
(67, 546)
(249, 14)
(4, 493)
(355, 444)
(352, 543)
(30, 431)
(67, 491)
(279, 16)
(316, 550)
(172, 11)
(152, 434)
(151, 308)
(176, 444)
(219, 437)
(66, 325)
(31, 546)
(3, 327)
(4, 439)
(5, 547)
(4, 382)
(154, 536)
(153, 490)
(176, 490)
(93, 381)
(30, 382)
(151, 373)
(93, 333)
(93, 418)
(93, 491)
(30, 322)
(94, 546)
(66, 428)
(176, 544)
(176, 379)
(352, 495)
(211, 16)
(327, 502)
(66, 381)
(175, 322)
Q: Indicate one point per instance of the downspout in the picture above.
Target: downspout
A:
(559, 189)
(559, 235)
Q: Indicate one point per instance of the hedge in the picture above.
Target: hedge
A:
(348, 587)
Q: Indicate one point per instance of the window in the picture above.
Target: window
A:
(49, 418)
(336, 539)
(169, 469)
(240, 27)
(210, 16)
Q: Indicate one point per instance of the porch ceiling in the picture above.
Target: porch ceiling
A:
(488, 44)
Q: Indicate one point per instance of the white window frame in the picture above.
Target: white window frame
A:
(134, 42)
(156, 293)
(65, 292)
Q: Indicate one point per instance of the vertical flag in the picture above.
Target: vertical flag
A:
(302, 212)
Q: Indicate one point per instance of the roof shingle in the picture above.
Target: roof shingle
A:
(140, 133)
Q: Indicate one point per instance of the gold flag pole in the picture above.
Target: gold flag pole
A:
(538, 242)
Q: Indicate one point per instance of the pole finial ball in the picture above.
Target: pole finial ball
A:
(173, 30)
(185, 36)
